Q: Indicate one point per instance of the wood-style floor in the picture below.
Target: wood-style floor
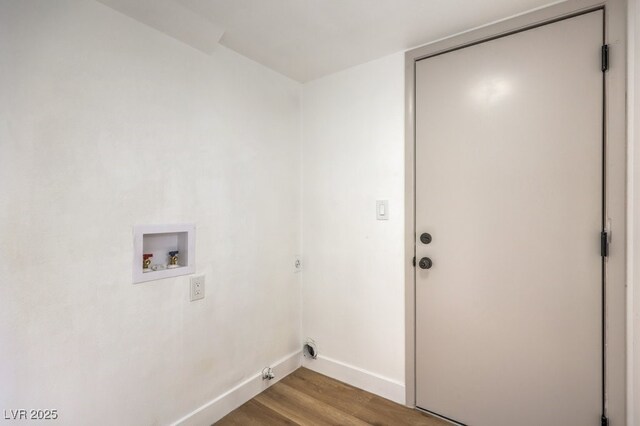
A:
(308, 398)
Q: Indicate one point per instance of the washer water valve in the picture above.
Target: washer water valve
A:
(267, 373)
(146, 262)
(173, 259)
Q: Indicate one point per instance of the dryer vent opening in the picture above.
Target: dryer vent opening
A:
(310, 349)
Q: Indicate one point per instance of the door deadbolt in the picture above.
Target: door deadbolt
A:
(425, 263)
(425, 238)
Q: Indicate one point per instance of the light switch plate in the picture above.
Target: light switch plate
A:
(382, 209)
(197, 287)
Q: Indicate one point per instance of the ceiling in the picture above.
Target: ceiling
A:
(307, 39)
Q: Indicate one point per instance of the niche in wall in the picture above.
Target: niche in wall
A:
(163, 251)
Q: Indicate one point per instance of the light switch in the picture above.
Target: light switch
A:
(382, 209)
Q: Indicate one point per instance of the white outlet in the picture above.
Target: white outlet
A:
(197, 287)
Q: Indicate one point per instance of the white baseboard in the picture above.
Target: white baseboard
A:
(219, 407)
(354, 376)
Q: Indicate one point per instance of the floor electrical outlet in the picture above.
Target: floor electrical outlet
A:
(197, 287)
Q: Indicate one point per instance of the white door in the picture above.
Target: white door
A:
(509, 157)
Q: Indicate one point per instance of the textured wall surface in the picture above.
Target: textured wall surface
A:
(105, 124)
(353, 155)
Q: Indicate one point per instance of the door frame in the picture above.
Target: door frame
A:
(615, 36)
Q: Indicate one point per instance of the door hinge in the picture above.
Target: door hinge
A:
(604, 421)
(605, 57)
(604, 244)
(414, 261)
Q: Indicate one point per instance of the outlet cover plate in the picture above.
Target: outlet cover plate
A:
(197, 287)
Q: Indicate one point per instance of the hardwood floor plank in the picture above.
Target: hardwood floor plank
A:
(329, 391)
(361, 404)
(253, 413)
(389, 413)
(304, 409)
(308, 398)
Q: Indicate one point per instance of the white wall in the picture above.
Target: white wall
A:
(353, 279)
(106, 123)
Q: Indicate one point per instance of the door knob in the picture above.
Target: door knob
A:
(425, 263)
(425, 238)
